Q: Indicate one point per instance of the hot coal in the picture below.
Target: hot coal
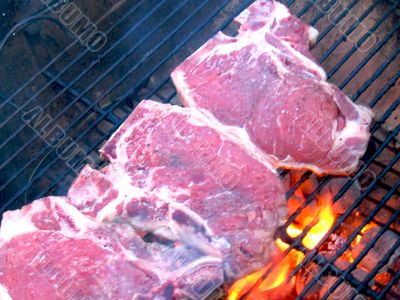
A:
(379, 251)
(343, 291)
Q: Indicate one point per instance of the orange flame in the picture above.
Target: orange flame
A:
(277, 278)
(325, 220)
(358, 238)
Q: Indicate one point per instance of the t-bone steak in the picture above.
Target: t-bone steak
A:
(267, 88)
(51, 251)
(173, 174)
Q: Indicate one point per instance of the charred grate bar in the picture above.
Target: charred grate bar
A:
(90, 94)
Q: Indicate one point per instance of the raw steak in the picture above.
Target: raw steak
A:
(51, 251)
(173, 174)
(266, 87)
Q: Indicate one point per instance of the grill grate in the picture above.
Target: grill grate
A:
(90, 94)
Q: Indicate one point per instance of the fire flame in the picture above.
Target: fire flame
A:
(323, 218)
(276, 278)
(358, 238)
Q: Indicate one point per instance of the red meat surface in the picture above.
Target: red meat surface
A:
(266, 87)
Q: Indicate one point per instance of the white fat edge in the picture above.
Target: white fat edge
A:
(126, 254)
(120, 143)
(256, 38)
(74, 194)
(121, 154)
(307, 62)
(353, 128)
(4, 295)
(186, 235)
(287, 164)
(128, 128)
(160, 228)
(365, 115)
(149, 179)
(126, 191)
(81, 221)
(312, 34)
(19, 222)
(364, 112)
(182, 88)
(165, 194)
(279, 13)
(250, 38)
(334, 133)
(204, 260)
(201, 54)
(185, 112)
(234, 134)
(253, 38)
(282, 12)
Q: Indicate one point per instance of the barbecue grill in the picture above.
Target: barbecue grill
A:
(62, 96)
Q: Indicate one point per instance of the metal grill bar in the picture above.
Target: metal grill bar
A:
(295, 244)
(69, 47)
(311, 256)
(376, 75)
(341, 219)
(336, 21)
(388, 287)
(305, 9)
(384, 261)
(343, 190)
(364, 252)
(303, 178)
(371, 54)
(348, 31)
(361, 41)
(84, 72)
(290, 3)
(323, 12)
(95, 145)
(97, 80)
(97, 109)
(386, 115)
(348, 79)
(39, 174)
(380, 142)
(306, 175)
(385, 89)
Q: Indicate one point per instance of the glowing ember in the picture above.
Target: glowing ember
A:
(359, 236)
(323, 218)
(357, 240)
